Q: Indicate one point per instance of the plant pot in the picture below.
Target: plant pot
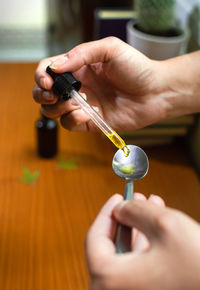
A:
(156, 47)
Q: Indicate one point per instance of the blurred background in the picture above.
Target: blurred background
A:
(34, 29)
(31, 30)
(53, 182)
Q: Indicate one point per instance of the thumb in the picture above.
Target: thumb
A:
(143, 215)
(87, 53)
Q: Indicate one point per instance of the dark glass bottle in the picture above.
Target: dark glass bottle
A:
(115, 3)
(47, 137)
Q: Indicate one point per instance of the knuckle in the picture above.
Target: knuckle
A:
(66, 123)
(113, 40)
(47, 111)
(76, 51)
(167, 221)
(104, 281)
(70, 120)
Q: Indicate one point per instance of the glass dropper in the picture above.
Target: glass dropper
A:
(66, 86)
(97, 119)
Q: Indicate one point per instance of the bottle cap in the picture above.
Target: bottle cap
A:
(63, 84)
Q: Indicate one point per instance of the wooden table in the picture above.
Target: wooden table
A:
(43, 225)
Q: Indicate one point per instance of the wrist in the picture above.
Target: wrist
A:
(179, 84)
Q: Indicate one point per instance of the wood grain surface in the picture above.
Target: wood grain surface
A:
(43, 225)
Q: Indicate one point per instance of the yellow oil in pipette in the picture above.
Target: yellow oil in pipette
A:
(97, 119)
(118, 142)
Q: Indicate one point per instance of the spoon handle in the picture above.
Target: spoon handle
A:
(124, 233)
(128, 191)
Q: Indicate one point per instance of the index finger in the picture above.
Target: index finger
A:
(83, 54)
(87, 53)
(99, 51)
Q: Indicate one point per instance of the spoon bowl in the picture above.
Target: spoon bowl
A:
(135, 166)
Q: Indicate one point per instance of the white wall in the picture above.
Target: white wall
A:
(23, 13)
(23, 30)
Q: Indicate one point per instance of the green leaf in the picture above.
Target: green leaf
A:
(28, 176)
(68, 164)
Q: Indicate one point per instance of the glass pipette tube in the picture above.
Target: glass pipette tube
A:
(97, 119)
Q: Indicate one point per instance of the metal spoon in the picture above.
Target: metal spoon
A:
(132, 167)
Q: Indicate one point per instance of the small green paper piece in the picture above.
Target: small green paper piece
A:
(68, 164)
(28, 176)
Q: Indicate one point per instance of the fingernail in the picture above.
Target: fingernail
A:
(59, 62)
(43, 83)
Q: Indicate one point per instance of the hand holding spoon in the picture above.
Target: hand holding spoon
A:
(132, 167)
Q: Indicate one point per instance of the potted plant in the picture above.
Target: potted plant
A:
(155, 31)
